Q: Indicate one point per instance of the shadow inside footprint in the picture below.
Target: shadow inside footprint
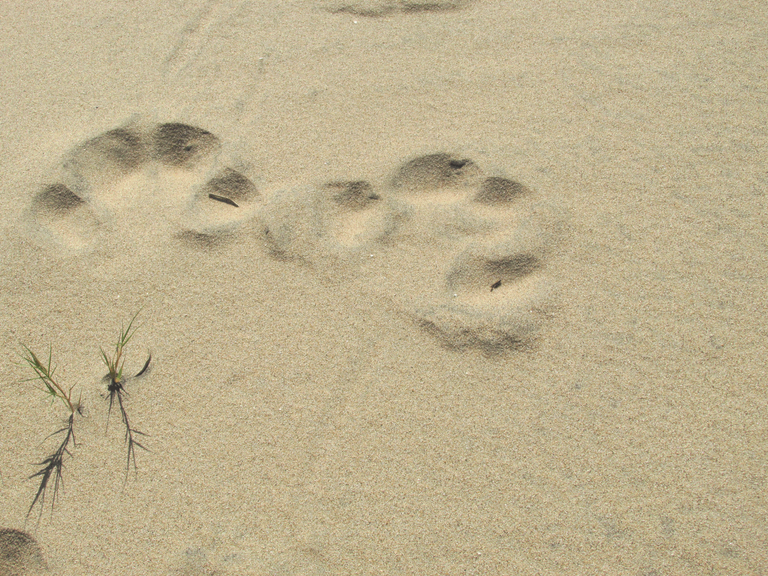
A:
(56, 200)
(182, 145)
(20, 554)
(484, 276)
(414, 6)
(436, 171)
(355, 195)
(496, 191)
(65, 215)
(230, 187)
(219, 208)
(65, 210)
(353, 216)
(120, 148)
(467, 259)
(103, 160)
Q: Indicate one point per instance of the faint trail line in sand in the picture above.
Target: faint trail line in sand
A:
(194, 37)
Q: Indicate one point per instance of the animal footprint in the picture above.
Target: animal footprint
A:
(478, 247)
(183, 146)
(219, 207)
(173, 176)
(68, 209)
(330, 226)
(20, 554)
(462, 253)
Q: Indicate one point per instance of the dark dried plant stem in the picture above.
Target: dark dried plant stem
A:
(52, 467)
(116, 387)
(117, 390)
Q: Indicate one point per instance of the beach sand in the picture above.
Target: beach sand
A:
(428, 287)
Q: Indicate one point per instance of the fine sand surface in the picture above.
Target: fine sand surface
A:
(430, 287)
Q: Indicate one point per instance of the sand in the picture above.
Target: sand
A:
(440, 287)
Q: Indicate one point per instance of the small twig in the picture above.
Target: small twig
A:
(223, 199)
(146, 367)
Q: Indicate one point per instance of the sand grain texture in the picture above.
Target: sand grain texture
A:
(429, 287)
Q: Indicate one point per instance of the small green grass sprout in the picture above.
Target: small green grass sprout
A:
(116, 388)
(52, 465)
(44, 372)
